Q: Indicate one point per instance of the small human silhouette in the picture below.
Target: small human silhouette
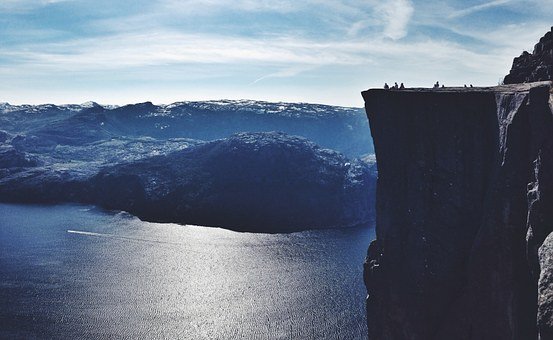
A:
(436, 85)
(465, 85)
(386, 87)
(395, 86)
(470, 85)
(401, 87)
(443, 86)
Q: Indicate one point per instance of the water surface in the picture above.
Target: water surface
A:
(78, 272)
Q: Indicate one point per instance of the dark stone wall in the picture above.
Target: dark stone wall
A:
(463, 177)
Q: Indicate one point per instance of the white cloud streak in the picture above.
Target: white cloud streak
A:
(208, 6)
(289, 55)
(26, 5)
(285, 73)
(478, 8)
(166, 47)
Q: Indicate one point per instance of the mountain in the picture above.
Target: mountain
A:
(259, 182)
(535, 66)
(214, 163)
(43, 127)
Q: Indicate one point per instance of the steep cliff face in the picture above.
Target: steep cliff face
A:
(464, 204)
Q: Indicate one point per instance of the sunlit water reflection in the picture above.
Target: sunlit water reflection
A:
(78, 272)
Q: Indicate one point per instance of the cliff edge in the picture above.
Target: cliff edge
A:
(464, 210)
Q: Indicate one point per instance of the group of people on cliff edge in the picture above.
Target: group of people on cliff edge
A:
(402, 87)
(395, 87)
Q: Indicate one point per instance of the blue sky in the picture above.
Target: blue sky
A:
(116, 52)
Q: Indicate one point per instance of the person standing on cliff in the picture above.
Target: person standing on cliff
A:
(386, 87)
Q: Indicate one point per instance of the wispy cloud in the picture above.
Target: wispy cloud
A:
(26, 5)
(208, 6)
(397, 14)
(172, 47)
(478, 8)
(289, 55)
(285, 73)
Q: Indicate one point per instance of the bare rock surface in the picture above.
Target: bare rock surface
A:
(545, 290)
(535, 66)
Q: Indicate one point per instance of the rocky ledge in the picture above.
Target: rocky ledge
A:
(464, 212)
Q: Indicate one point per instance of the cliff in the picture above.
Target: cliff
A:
(464, 206)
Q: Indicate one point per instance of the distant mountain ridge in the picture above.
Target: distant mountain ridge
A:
(256, 106)
(340, 128)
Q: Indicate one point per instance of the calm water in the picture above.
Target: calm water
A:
(79, 272)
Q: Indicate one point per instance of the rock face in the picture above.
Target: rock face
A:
(464, 204)
(537, 66)
(545, 289)
(260, 182)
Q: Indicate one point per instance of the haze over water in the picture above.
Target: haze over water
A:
(74, 271)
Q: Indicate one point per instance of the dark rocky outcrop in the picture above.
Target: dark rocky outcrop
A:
(13, 158)
(261, 182)
(535, 66)
(4, 136)
(464, 205)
